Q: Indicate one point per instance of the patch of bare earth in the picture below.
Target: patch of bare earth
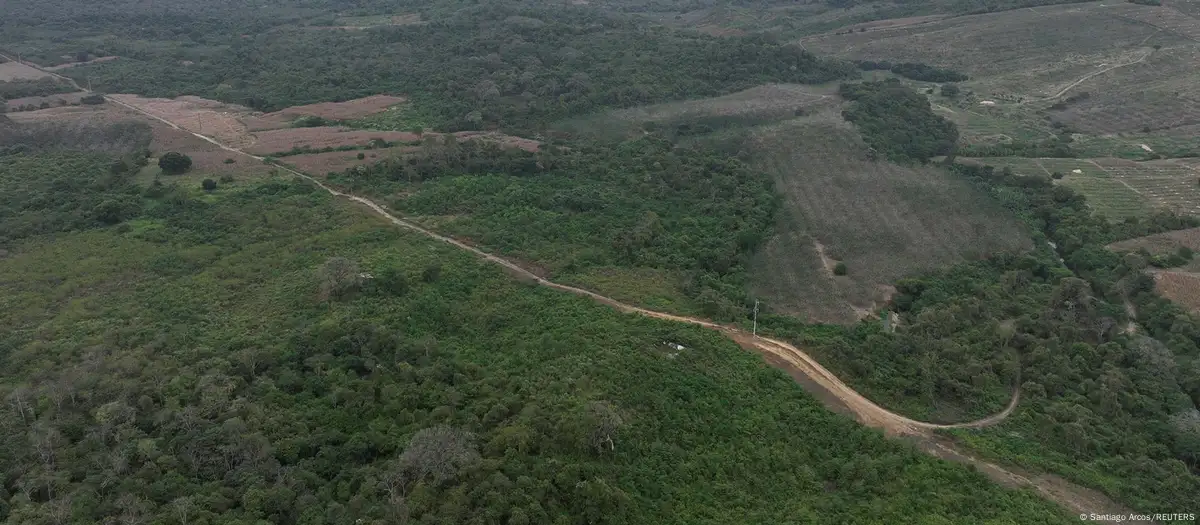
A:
(348, 110)
(18, 71)
(1182, 288)
(198, 115)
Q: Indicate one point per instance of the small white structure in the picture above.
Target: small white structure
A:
(987, 103)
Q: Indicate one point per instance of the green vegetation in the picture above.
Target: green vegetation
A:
(1101, 404)
(897, 121)
(188, 368)
(33, 88)
(640, 204)
(571, 61)
(174, 163)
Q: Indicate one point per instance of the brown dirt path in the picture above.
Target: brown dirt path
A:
(1073, 497)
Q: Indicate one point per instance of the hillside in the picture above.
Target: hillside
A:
(913, 221)
(209, 357)
(881, 220)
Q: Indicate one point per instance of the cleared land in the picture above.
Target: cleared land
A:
(18, 71)
(1161, 243)
(1183, 288)
(348, 110)
(882, 220)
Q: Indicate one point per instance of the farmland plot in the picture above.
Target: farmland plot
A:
(883, 221)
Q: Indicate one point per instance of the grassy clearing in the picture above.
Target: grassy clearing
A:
(408, 116)
(882, 220)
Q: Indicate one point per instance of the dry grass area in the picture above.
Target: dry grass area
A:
(18, 71)
(882, 220)
(1161, 243)
(1182, 288)
(198, 115)
(348, 110)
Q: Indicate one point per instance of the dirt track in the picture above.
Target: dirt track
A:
(1075, 498)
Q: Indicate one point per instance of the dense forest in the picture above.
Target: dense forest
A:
(898, 122)
(220, 358)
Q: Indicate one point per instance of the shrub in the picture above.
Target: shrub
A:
(230, 161)
(226, 178)
(92, 99)
(362, 156)
(1057, 175)
(174, 163)
(840, 269)
(208, 185)
(950, 90)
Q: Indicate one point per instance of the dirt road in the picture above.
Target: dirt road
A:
(832, 390)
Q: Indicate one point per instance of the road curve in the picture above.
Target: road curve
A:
(865, 410)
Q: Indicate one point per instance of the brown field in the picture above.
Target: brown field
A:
(337, 161)
(18, 71)
(1161, 243)
(73, 64)
(508, 141)
(54, 100)
(280, 140)
(349, 110)
(882, 220)
(198, 115)
(1182, 288)
(1162, 17)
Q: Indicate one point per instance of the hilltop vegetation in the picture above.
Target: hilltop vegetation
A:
(219, 359)
(640, 204)
(898, 122)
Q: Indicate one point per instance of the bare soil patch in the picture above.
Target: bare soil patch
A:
(1182, 288)
(198, 115)
(508, 141)
(348, 110)
(18, 71)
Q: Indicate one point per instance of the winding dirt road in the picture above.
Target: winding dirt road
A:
(831, 390)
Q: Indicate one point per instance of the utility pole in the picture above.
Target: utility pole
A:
(755, 332)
